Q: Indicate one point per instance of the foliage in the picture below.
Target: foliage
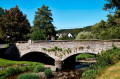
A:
(60, 50)
(107, 29)
(14, 24)
(112, 5)
(48, 73)
(12, 71)
(2, 12)
(52, 49)
(38, 35)
(108, 57)
(43, 21)
(16, 67)
(71, 72)
(84, 56)
(104, 60)
(85, 35)
(74, 31)
(9, 72)
(39, 68)
(6, 45)
(66, 38)
(90, 74)
(28, 76)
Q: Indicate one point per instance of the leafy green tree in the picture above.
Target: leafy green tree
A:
(84, 35)
(109, 29)
(1, 11)
(15, 24)
(112, 5)
(38, 35)
(43, 21)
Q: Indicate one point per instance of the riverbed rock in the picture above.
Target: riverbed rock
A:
(41, 74)
(64, 77)
(60, 74)
(65, 73)
(53, 68)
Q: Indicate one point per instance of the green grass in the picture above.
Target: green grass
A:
(16, 67)
(4, 62)
(105, 65)
(6, 45)
(84, 56)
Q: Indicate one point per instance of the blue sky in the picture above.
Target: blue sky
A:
(67, 14)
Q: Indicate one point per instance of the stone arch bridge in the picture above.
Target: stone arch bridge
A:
(66, 49)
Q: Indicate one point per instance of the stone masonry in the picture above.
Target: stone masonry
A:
(74, 48)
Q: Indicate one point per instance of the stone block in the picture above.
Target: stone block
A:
(53, 68)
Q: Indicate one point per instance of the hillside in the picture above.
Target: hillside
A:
(74, 31)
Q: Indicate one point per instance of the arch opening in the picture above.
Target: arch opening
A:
(70, 62)
(38, 57)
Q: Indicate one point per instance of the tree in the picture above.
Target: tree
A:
(112, 5)
(84, 35)
(38, 35)
(109, 29)
(15, 24)
(1, 11)
(43, 21)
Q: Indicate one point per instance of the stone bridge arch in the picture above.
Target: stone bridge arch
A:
(29, 51)
(75, 54)
(70, 61)
(37, 56)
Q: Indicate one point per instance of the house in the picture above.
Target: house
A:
(59, 35)
(70, 35)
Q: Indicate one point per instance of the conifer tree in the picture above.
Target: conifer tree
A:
(43, 21)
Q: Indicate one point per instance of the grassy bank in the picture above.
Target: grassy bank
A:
(84, 56)
(4, 63)
(105, 60)
(9, 67)
(112, 72)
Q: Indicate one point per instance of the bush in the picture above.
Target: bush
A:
(108, 57)
(104, 59)
(85, 35)
(38, 35)
(66, 38)
(12, 71)
(39, 68)
(28, 76)
(48, 73)
(90, 74)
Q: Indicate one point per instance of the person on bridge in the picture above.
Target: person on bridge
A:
(48, 38)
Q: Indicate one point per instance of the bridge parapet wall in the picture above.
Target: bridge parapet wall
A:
(75, 47)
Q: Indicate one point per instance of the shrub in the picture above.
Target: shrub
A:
(48, 73)
(90, 74)
(28, 76)
(38, 35)
(108, 57)
(85, 35)
(39, 68)
(66, 38)
(12, 71)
